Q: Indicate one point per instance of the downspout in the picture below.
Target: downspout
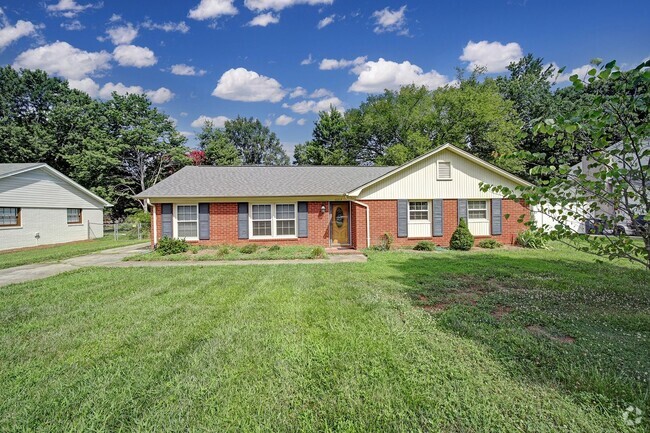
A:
(367, 221)
(155, 223)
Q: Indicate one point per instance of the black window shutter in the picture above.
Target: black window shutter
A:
(242, 221)
(303, 215)
(497, 216)
(462, 209)
(204, 221)
(167, 220)
(437, 217)
(402, 218)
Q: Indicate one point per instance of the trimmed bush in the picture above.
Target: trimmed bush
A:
(386, 242)
(223, 250)
(317, 253)
(425, 246)
(194, 249)
(531, 239)
(274, 248)
(462, 239)
(167, 246)
(249, 249)
(490, 244)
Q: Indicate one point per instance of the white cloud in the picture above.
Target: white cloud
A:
(208, 9)
(159, 96)
(329, 64)
(122, 35)
(132, 55)
(264, 20)
(243, 85)
(297, 92)
(580, 71)
(183, 114)
(493, 55)
(9, 34)
(326, 21)
(183, 69)
(73, 25)
(387, 20)
(311, 106)
(87, 85)
(301, 121)
(61, 58)
(278, 5)
(115, 18)
(167, 27)
(308, 61)
(70, 8)
(217, 122)
(284, 120)
(186, 134)
(321, 93)
(374, 77)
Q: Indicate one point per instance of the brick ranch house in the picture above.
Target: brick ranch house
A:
(423, 199)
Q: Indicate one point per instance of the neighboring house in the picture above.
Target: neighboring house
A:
(39, 206)
(337, 206)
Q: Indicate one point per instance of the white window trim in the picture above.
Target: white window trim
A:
(451, 168)
(274, 234)
(176, 221)
(487, 211)
(428, 211)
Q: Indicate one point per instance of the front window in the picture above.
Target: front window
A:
(9, 216)
(477, 209)
(418, 211)
(187, 221)
(273, 220)
(74, 216)
(262, 220)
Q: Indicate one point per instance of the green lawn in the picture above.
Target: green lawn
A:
(53, 253)
(497, 341)
(229, 252)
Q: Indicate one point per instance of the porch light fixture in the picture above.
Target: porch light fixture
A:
(322, 209)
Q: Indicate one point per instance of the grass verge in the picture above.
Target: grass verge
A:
(229, 252)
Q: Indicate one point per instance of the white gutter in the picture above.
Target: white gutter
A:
(367, 221)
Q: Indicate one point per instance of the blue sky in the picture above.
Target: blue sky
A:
(283, 60)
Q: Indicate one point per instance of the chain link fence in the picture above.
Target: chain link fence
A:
(119, 231)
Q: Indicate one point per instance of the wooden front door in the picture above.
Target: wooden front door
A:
(340, 223)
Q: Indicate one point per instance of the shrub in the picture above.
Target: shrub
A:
(461, 239)
(274, 248)
(194, 249)
(167, 246)
(317, 253)
(249, 249)
(425, 246)
(531, 239)
(490, 244)
(385, 242)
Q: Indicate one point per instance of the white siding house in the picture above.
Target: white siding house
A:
(40, 206)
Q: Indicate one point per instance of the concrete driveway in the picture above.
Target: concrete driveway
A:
(20, 274)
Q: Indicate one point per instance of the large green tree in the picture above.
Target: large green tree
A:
(329, 145)
(255, 143)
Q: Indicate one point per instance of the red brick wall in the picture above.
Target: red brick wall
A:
(358, 237)
(223, 226)
(383, 219)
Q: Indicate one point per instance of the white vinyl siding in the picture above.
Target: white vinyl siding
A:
(187, 221)
(419, 219)
(273, 220)
(478, 217)
(420, 180)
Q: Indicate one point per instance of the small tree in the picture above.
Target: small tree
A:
(611, 186)
(462, 239)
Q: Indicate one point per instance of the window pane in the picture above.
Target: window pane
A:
(187, 229)
(418, 205)
(477, 214)
(261, 228)
(287, 227)
(8, 216)
(419, 215)
(74, 216)
(285, 211)
(477, 205)
(261, 212)
(186, 213)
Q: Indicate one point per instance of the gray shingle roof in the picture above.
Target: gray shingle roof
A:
(267, 181)
(11, 167)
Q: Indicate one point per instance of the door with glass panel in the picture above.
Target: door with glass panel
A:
(340, 223)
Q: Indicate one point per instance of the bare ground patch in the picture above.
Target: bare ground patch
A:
(540, 331)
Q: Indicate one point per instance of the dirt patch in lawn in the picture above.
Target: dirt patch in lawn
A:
(540, 331)
(435, 308)
(500, 311)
